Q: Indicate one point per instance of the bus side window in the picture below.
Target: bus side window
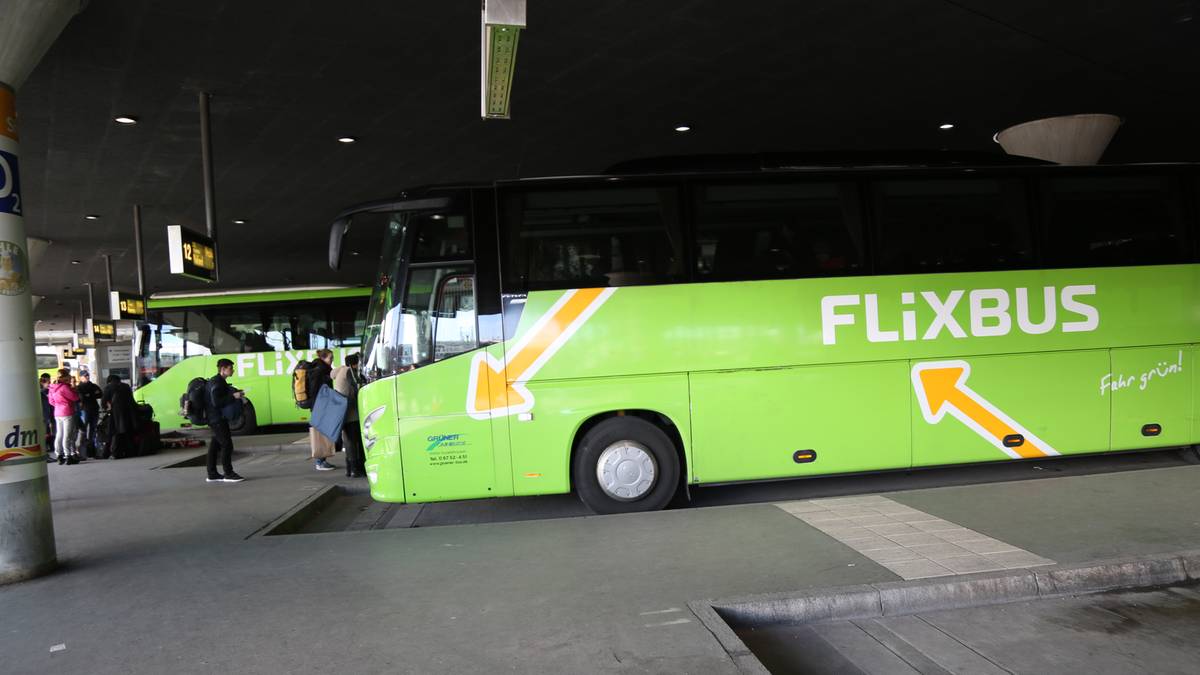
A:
(755, 230)
(1113, 220)
(951, 225)
(591, 237)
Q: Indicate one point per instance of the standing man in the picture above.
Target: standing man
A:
(122, 417)
(346, 382)
(47, 415)
(89, 400)
(222, 400)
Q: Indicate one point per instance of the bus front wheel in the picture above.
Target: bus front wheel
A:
(626, 464)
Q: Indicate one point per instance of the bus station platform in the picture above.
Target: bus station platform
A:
(161, 572)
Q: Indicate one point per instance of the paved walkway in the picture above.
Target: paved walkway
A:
(159, 576)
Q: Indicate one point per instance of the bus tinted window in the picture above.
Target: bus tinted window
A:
(776, 230)
(951, 226)
(1118, 220)
(441, 236)
(592, 237)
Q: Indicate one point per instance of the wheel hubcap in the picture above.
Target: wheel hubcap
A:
(626, 471)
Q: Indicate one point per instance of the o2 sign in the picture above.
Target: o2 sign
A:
(10, 184)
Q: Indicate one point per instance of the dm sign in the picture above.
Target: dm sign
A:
(126, 306)
(192, 254)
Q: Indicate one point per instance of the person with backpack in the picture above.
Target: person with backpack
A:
(64, 400)
(317, 375)
(221, 403)
(346, 381)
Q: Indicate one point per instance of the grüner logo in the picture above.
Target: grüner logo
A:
(445, 441)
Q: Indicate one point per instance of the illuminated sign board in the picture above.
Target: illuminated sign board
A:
(127, 306)
(104, 330)
(192, 254)
(79, 351)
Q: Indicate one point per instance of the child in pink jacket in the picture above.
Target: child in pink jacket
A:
(64, 399)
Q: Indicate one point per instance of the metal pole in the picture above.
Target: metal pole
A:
(91, 304)
(108, 283)
(137, 248)
(210, 197)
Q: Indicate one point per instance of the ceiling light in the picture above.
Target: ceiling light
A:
(347, 139)
(91, 216)
(239, 222)
(353, 252)
(438, 216)
(75, 262)
(946, 127)
(125, 119)
(682, 128)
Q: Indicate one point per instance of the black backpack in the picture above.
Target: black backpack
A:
(193, 403)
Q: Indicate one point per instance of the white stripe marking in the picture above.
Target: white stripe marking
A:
(58, 648)
(676, 622)
(661, 611)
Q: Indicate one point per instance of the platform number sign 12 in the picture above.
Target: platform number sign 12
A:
(10, 186)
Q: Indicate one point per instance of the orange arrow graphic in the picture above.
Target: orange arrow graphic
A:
(941, 388)
(497, 387)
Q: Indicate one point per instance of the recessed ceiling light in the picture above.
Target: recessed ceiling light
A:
(239, 222)
(438, 216)
(682, 128)
(91, 216)
(346, 139)
(125, 119)
(946, 127)
(353, 252)
(75, 262)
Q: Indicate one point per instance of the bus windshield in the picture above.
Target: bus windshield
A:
(423, 304)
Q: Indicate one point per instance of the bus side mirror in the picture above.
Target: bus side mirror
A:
(337, 233)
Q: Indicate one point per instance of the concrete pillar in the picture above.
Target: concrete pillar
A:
(27, 28)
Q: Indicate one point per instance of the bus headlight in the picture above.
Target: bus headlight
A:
(369, 438)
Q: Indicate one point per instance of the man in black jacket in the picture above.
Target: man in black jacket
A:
(221, 398)
(89, 403)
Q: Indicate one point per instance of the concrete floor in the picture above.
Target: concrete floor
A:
(159, 576)
(1155, 631)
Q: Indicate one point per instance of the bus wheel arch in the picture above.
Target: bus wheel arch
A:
(633, 439)
(249, 421)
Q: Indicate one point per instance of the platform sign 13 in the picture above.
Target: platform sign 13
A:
(10, 184)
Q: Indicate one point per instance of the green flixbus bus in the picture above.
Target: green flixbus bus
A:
(624, 335)
(264, 331)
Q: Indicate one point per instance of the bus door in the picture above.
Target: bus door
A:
(1020, 406)
(447, 453)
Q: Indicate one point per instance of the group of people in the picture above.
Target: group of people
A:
(346, 381)
(223, 404)
(71, 407)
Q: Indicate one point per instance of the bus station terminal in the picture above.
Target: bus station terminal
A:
(599, 337)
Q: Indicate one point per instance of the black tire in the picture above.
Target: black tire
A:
(614, 430)
(247, 424)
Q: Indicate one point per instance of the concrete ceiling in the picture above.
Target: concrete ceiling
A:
(597, 82)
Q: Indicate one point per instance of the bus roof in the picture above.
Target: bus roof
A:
(238, 296)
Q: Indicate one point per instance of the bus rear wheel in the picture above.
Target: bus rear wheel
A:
(247, 424)
(625, 465)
